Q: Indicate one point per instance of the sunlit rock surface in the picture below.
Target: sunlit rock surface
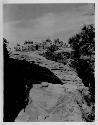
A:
(50, 102)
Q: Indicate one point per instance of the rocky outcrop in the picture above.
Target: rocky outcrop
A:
(65, 73)
(73, 92)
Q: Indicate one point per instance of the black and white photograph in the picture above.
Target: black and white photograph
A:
(49, 62)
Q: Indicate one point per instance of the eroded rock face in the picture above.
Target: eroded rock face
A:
(52, 101)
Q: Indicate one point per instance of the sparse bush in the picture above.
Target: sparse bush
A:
(49, 54)
(51, 50)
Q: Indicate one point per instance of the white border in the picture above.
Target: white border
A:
(1, 56)
(96, 62)
(49, 1)
(1, 61)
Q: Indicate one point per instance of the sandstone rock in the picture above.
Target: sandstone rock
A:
(47, 97)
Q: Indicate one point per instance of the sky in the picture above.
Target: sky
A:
(40, 21)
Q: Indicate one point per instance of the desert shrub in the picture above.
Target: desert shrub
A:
(62, 57)
(49, 54)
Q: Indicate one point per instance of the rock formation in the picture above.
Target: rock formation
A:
(60, 97)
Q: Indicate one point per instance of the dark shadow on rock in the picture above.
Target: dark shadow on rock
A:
(19, 76)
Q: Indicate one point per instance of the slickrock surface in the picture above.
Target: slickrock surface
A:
(71, 94)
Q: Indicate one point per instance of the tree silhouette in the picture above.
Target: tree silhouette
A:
(83, 45)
